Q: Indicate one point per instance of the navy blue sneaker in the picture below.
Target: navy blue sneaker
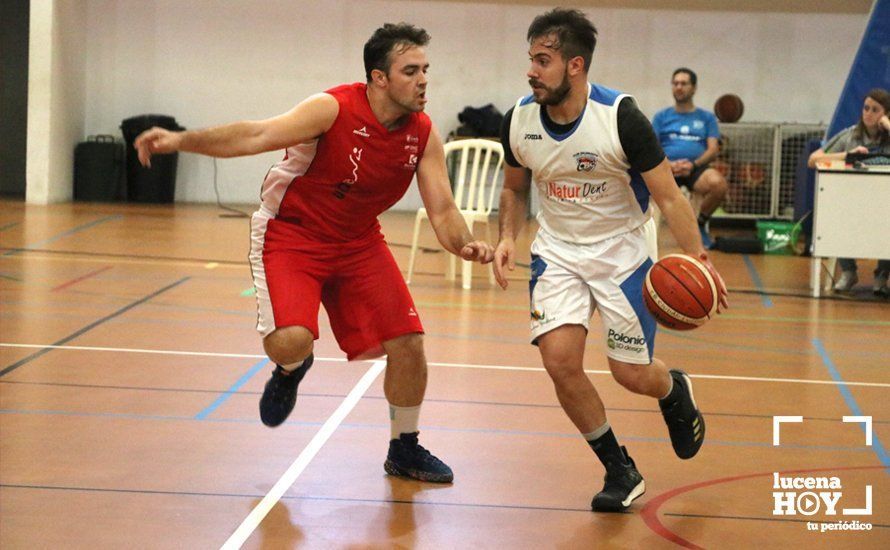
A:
(280, 393)
(685, 422)
(624, 484)
(406, 457)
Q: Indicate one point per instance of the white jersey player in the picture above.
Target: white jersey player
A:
(595, 163)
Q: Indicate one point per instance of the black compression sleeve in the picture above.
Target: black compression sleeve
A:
(505, 140)
(637, 137)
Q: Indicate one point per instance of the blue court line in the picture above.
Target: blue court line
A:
(764, 297)
(228, 393)
(851, 402)
(64, 234)
(89, 327)
(385, 427)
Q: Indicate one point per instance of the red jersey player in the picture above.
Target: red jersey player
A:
(351, 153)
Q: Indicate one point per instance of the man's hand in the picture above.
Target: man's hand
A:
(156, 141)
(477, 251)
(504, 259)
(682, 168)
(722, 293)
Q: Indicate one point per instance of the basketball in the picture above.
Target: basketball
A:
(680, 292)
(729, 108)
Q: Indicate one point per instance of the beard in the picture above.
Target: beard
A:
(552, 96)
(682, 98)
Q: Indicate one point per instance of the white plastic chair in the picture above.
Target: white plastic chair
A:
(478, 166)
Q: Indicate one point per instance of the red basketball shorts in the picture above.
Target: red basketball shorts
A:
(359, 284)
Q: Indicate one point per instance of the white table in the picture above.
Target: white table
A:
(851, 216)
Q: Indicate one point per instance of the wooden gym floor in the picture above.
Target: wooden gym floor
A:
(130, 374)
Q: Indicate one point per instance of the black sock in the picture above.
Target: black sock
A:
(607, 450)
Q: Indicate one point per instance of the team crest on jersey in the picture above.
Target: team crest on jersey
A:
(586, 161)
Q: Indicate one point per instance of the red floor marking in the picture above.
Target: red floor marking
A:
(81, 278)
(649, 512)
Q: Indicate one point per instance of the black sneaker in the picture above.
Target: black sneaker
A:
(280, 393)
(684, 421)
(408, 458)
(624, 484)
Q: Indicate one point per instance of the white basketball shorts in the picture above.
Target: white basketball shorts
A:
(568, 281)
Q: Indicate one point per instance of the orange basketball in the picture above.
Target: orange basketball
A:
(729, 108)
(680, 292)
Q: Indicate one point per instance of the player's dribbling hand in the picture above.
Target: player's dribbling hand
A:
(503, 260)
(722, 293)
(477, 251)
(156, 141)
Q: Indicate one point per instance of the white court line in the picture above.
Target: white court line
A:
(452, 365)
(252, 521)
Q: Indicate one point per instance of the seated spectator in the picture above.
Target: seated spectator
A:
(689, 138)
(870, 135)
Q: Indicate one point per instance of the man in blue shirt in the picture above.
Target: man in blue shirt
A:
(689, 136)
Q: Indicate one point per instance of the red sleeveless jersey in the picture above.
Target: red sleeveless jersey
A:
(334, 187)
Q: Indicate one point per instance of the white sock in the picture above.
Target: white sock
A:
(403, 420)
(670, 389)
(294, 366)
(597, 433)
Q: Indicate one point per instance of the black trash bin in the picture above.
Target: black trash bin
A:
(158, 183)
(99, 169)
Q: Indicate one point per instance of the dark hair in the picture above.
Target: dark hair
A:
(882, 96)
(385, 39)
(693, 78)
(575, 34)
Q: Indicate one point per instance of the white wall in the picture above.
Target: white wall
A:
(56, 87)
(208, 62)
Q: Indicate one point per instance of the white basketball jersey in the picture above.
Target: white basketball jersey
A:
(587, 189)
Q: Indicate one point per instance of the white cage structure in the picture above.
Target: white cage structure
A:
(759, 161)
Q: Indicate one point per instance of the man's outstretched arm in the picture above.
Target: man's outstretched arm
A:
(307, 121)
